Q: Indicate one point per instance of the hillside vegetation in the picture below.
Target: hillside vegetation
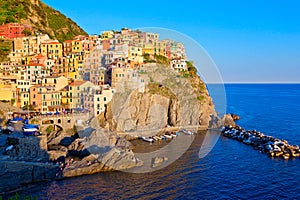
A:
(41, 17)
(5, 49)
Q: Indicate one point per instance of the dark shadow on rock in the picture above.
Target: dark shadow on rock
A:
(61, 159)
(85, 132)
(81, 154)
(67, 141)
(94, 149)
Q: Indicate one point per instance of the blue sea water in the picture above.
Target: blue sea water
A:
(232, 170)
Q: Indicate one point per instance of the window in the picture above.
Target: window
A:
(104, 99)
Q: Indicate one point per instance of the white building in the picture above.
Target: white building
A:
(178, 65)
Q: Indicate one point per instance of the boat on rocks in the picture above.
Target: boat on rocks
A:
(148, 139)
(186, 132)
(168, 136)
(273, 147)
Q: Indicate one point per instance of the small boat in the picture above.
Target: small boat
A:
(173, 135)
(177, 133)
(30, 126)
(29, 129)
(163, 137)
(147, 139)
(168, 136)
(187, 132)
(156, 138)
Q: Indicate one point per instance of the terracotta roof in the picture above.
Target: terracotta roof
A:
(39, 56)
(69, 40)
(52, 42)
(36, 64)
(77, 83)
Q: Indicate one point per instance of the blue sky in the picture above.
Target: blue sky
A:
(250, 41)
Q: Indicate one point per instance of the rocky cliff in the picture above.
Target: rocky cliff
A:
(157, 98)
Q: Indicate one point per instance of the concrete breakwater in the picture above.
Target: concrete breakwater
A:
(272, 146)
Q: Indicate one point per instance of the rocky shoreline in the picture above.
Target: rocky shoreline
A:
(61, 154)
(273, 147)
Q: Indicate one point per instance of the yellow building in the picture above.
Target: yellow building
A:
(66, 100)
(77, 46)
(22, 93)
(72, 46)
(72, 65)
(58, 82)
(7, 91)
(53, 50)
(76, 92)
(107, 34)
(148, 49)
(160, 48)
(135, 55)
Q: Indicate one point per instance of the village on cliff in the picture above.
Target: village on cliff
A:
(48, 76)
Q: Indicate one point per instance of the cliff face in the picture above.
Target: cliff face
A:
(166, 98)
(41, 17)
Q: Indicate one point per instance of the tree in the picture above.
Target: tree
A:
(28, 107)
(12, 102)
(9, 19)
(162, 59)
(191, 68)
(27, 32)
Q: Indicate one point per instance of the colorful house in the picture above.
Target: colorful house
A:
(52, 49)
(13, 30)
(45, 98)
(77, 90)
(178, 64)
(97, 98)
(22, 93)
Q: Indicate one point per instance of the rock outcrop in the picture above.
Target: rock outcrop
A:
(103, 159)
(166, 98)
(15, 174)
(31, 149)
(273, 147)
(99, 151)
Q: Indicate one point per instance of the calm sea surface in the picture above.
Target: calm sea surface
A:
(231, 170)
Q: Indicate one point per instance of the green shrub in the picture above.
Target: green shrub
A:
(200, 98)
(162, 60)
(49, 129)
